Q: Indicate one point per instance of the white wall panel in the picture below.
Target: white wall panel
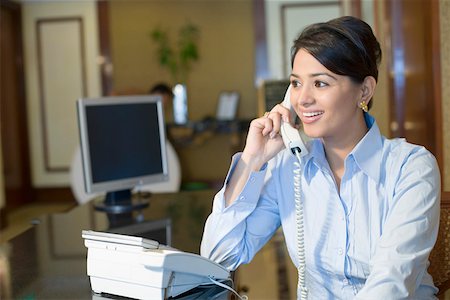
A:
(61, 51)
(62, 80)
(285, 19)
(295, 17)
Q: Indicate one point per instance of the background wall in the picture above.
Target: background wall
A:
(226, 49)
(226, 63)
(227, 54)
(284, 22)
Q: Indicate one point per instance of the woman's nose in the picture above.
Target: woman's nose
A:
(303, 97)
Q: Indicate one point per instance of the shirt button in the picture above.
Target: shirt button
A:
(241, 197)
(340, 251)
(345, 281)
(252, 179)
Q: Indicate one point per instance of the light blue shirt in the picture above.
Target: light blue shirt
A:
(370, 240)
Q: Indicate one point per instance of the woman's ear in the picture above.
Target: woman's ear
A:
(368, 88)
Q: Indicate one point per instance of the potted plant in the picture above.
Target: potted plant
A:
(178, 61)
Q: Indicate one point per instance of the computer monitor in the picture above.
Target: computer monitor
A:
(123, 145)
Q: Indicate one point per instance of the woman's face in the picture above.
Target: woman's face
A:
(326, 103)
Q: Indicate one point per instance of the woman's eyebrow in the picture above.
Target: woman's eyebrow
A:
(323, 74)
(315, 75)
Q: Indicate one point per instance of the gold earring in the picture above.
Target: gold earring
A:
(364, 106)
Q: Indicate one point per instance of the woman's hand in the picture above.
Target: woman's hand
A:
(263, 139)
(263, 143)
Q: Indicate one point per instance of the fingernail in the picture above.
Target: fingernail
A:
(272, 134)
(285, 119)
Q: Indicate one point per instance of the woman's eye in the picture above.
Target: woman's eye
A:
(295, 83)
(320, 84)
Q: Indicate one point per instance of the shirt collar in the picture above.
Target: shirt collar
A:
(315, 157)
(367, 153)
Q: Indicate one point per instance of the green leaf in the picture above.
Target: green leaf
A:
(177, 60)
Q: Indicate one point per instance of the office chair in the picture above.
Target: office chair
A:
(172, 185)
(440, 255)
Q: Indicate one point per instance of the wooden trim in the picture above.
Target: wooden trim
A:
(397, 76)
(105, 47)
(376, 21)
(283, 9)
(54, 195)
(445, 199)
(3, 218)
(437, 92)
(42, 98)
(433, 78)
(10, 4)
(262, 71)
(24, 138)
(18, 195)
(356, 8)
(387, 57)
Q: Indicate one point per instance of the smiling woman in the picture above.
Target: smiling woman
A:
(356, 55)
(332, 99)
(369, 205)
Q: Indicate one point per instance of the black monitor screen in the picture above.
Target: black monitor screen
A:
(124, 141)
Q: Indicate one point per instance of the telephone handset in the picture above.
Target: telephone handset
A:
(293, 141)
(291, 136)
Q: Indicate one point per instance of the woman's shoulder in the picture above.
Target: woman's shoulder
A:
(398, 152)
(401, 147)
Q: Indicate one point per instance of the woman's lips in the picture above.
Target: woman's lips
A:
(311, 117)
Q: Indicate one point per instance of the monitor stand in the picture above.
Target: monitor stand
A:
(119, 207)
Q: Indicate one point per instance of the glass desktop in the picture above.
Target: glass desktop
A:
(48, 261)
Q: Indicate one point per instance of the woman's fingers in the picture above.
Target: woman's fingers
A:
(275, 117)
(283, 111)
(270, 122)
(263, 140)
(263, 125)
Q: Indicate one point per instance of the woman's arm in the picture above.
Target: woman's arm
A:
(243, 220)
(263, 143)
(234, 234)
(409, 233)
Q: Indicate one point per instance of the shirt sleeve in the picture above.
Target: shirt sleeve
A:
(234, 234)
(400, 261)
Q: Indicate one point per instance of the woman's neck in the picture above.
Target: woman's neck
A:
(338, 148)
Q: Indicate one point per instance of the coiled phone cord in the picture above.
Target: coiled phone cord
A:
(302, 290)
(223, 285)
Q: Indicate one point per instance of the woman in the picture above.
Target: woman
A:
(370, 204)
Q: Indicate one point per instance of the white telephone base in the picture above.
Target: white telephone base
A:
(119, 267)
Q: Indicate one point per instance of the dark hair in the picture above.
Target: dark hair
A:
(161, 88)
(345, 46)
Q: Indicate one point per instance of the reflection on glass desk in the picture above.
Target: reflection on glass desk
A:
(48, 261)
